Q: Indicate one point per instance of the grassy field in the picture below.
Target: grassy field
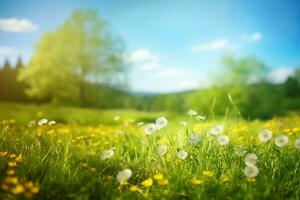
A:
(85, 153)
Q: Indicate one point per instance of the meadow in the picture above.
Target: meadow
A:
(49, 152)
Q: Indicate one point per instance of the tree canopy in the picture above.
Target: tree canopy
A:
(68, 60)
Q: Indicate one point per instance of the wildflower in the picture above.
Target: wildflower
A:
(147, 183)
(251, 171)
(192, 112)
(224, 178)
(281, 140)
(12, 180)
(240, 150)
(182, 154)
(196, 181)
(19, 158)
(10, 172)
(42, 122)
(183, 123)
(134, 188)
(93, 169)
(140, 124)
(31, 124)
(18, 189)
(162, 149)
(107, 154)
(118, 132)
(218, 129)
(84, 165)
(161, 122)
(34, 190)
(297, 143)
(4, 187)
(163, 181)
(251, 180)
(251, 159)
(3, 153)
(158, 176)
(199, 117)
(223, 139)
(116, 118)
(50, 123)
(150, 129)
(265, 135)
(208, 174)
(124, 175)
(29, 184)
(12, 164)
(194, 139)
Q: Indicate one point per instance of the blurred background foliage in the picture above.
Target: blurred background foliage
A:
(81, 64)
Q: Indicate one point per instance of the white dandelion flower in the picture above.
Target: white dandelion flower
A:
(265, 135)
(200, 117)
(124, 175)
(223, 139)
(192, 113)
(31, 124)
(42, 122)
(281, 140)
(183, 123)
(251, 171)
(107, 154)
(162, 149)
(182, 154)
(118, 132)
(140, 123)
(150, 129)
(161, 122)
(194, 139)
(50, 123)
(217, 130)
(116, 118)
(251, 159)
(240, 151)
(297, 143)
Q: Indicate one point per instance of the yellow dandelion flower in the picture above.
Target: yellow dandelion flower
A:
(196, 181)
(133, 188)
(4, 187)
(84, 165)
(10, 172)
(12, 164)
(35, 190)
(147, 183)
(208, 174)
(29, 184)
(19, 158)
(224, 179)
(158, 176)
(163, 181)
(12, 156)
(18, 189)
(12, 180)
(251, 180)
(2, 153)
(93, 169)
(109, 178)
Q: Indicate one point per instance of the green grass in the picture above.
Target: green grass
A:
(63, 160)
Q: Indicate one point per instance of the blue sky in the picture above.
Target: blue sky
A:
(171, 45)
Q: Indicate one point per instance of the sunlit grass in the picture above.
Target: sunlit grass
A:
(72, 160)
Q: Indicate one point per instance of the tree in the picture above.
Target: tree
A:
(6, 80)
(67, 61)
(242, 71)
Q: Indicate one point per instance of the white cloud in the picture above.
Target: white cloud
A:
(142, 55)
(280, 74)
(170, 72)
(17, 25)
(255, 37)
(7, 51)
(217, 44)
(150, 66)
